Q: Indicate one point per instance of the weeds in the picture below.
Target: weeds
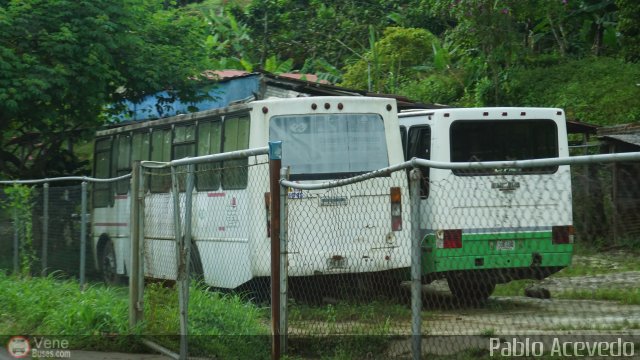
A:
(222, 326)
(623, 296)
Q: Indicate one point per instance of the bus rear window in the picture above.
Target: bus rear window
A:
(329, 146)
(500, 140)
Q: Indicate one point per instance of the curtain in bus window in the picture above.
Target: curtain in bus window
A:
(184, 142)
(102, 191)
(184, 145)
(123, 162)
(323, 146)
(209, 138)
(503, 140)
(236, 137)
(140, 147)
(160, 180)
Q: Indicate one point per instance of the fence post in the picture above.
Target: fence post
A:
(180, 279)
(416, 265)
(16, 242)
(135, 311)
(186, 253)
(83, 234)
(140, 233)
(45, 227)
(284, 175)
(275, 160)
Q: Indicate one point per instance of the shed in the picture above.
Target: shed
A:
(235, 86)
(625, 179)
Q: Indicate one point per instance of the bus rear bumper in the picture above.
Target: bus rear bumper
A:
(502, 268)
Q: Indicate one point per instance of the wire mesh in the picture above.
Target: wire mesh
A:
(545, 253)
(229, 259)
(48, 241)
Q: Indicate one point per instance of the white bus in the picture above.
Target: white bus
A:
(489, 226)
(355, 230)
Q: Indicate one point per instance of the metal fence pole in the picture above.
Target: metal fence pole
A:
(186, 249)
(45, 227)
(141, 209)
(284, 174)
(83, 234)
(184, 346)
(275, 159)
(16, 242)
(135, 311)
(416, 266)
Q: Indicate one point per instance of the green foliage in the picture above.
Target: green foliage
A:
(58, 307)
(623, 296)
(240, 328)
(20, 203)
(314, 29)
(434, 89)
(392, 60)
(629, 28)
(598, 90)
(52, 306)
(62, 62)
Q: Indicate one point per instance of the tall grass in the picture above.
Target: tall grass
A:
(220, 326)
(52, 306)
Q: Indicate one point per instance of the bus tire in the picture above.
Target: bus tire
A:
(468, 289)
(108, 264)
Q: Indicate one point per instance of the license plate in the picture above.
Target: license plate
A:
(505, 244)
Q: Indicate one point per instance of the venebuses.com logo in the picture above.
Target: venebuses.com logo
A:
(38, 347)
(18, 347)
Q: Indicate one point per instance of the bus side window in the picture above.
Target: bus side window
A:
(102, 170)
(420, 147)
(236, 137)
(184, 145)
(403, 138)
(140, 146)
(209, 139)
(122, 160)
(160, 180)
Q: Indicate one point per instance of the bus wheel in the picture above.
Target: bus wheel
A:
(108, 264)
(470, 290)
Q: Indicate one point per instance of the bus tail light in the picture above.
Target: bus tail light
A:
(396, 209)
(267, 205)
(449, 239)
(562, 234)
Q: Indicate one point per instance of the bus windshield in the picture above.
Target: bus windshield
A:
(328, 146)
(499, 140)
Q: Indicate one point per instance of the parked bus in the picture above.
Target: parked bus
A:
(323, 138)
(488, 226)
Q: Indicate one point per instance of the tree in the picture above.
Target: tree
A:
(62, 62)
(391, 60)
(629, 27)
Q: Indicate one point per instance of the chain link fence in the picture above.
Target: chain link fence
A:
(206, 255)
(45, 227)
(507, 253)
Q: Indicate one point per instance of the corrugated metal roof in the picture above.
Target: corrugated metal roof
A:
(633, 139)
(574, 126)
(632, 128)
(222, 75)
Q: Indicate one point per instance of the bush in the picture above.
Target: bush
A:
(596, 90)
(435, 89)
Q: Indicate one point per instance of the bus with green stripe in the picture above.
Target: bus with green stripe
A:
(481, 227)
